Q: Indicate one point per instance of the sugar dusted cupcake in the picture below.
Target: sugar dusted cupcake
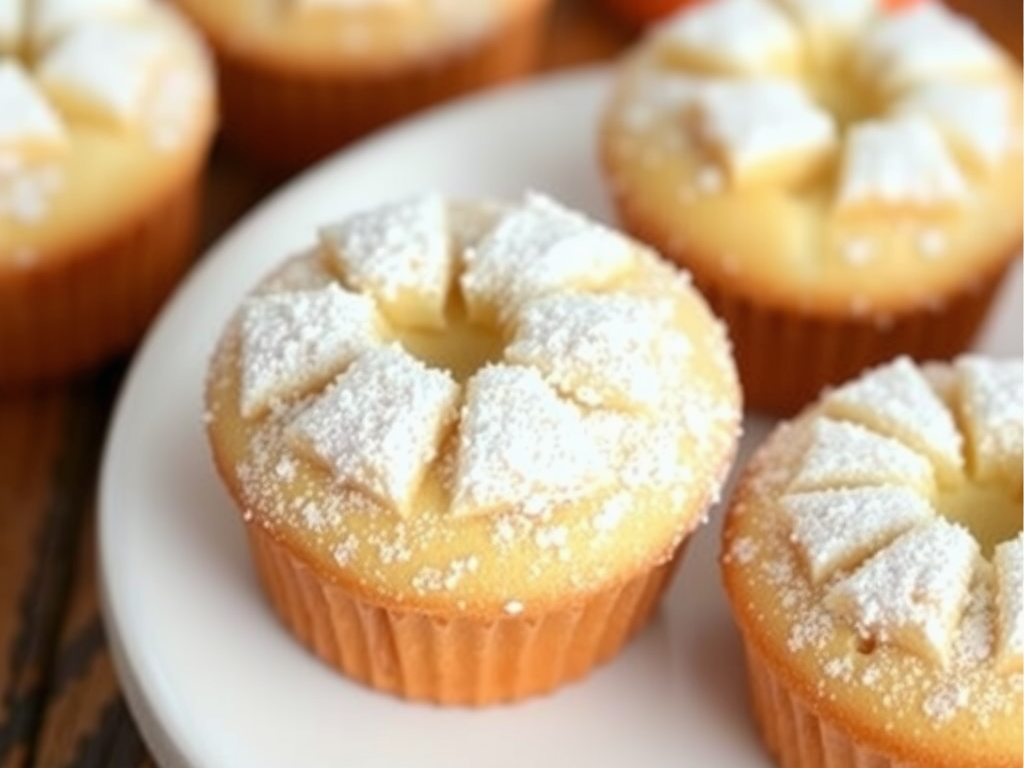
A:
(872, 557)
(844, 182)
(470, 441)
(300, 78)
(106, 115)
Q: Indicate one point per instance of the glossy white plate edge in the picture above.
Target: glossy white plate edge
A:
(211, 677)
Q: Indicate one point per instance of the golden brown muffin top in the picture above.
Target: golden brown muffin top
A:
(450, 405)
(103, 107)
(873, 554)
(824, 156)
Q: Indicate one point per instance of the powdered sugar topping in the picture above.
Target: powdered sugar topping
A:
(1009, 568)
(53, 18)
(842, 453)
(601, 349)
(975, 116)
(535, 249)
(837, 528)
(662, 92)
(26, 118)
(896, 400)
(730, 36)
(296, 341)
(379, 426)
(914, 591)
(992, 402)
(26, 195)
(751, 123)
(900, 161)
(469, 224)
(925, 42)
(400, 254)
(502, 464)
(12, 19)
(103, 71)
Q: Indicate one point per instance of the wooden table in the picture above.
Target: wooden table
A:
(60, 705)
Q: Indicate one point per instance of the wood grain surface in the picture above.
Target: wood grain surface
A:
(60, 706)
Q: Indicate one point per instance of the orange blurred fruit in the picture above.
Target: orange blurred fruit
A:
(894, 5)
(645, 11)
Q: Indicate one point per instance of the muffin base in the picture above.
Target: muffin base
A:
(66, 313)
(454, 660)
(786, 359)
(794, 734)
(286, 120)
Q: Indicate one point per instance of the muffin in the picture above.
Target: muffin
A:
(845, 183)
(872, 557)
(468, 442)
(300, 79)
(106, 115)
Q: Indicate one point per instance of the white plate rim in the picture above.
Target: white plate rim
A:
(146, 692)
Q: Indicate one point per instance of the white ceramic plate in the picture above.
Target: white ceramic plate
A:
(211, 676)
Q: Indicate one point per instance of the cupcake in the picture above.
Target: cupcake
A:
(468, 442)
(872, 557)
(300, 79)
(106, 115)
(844, 182)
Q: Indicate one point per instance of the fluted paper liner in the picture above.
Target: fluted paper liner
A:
(794, 734)
(286, 120)
(63, 315)
(452, 659)
(786, 359)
